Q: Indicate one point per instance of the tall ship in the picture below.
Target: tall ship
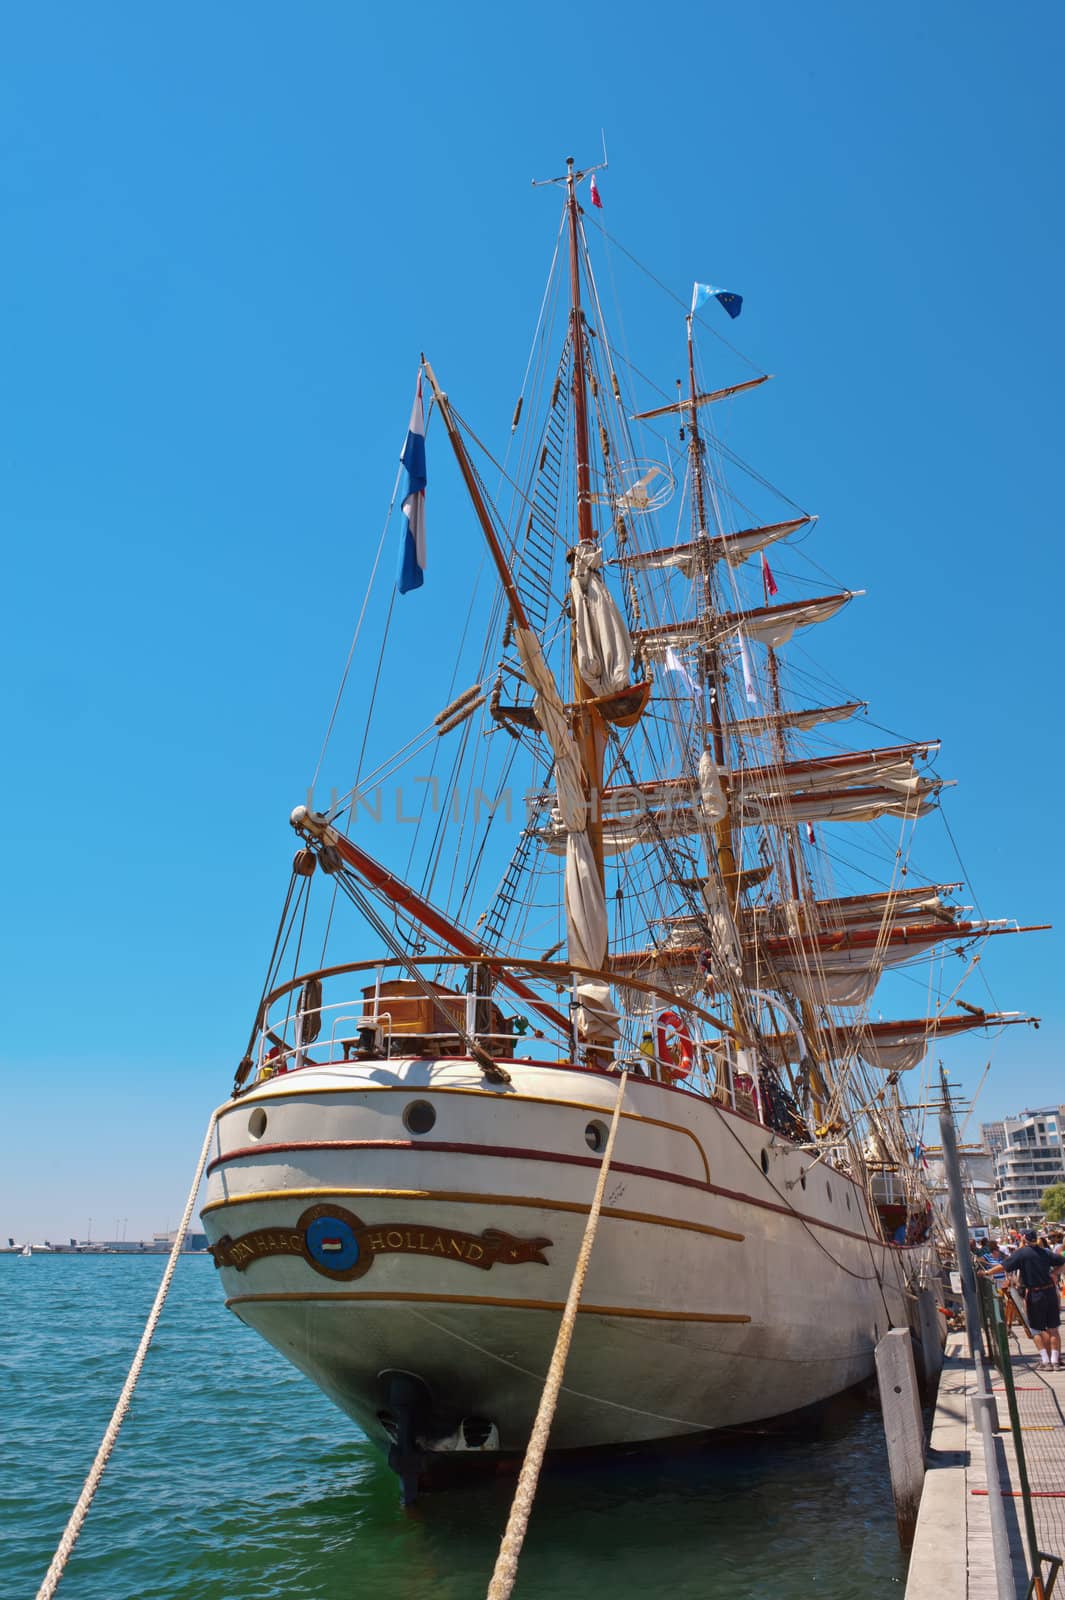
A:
(691, 921)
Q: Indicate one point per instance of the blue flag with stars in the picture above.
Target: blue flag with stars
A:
(702, 292)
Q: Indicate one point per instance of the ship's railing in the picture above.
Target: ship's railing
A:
(472, 993)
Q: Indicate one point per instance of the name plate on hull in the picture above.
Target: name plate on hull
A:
(337, 1244)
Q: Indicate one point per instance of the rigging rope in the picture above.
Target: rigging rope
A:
(506, 1568)
(358, 627)
(118, 1416)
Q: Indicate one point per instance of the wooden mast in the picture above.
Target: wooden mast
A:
(589, 729)
(726, 853)
(814, 1068)
(723, 834)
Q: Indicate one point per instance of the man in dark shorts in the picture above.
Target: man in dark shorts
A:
(1038, 1271)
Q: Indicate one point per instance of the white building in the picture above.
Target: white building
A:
(1030, 1160)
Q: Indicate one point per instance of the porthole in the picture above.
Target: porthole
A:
(595, 1136)
(765, 1162)
(257, 1123)
(828, 1192)
(419, 1116)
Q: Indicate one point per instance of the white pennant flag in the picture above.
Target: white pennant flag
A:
(748, 673)
(673, 663)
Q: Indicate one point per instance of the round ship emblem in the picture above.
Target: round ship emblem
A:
(331, 1243)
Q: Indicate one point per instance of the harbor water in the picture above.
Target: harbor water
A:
(234, 1479)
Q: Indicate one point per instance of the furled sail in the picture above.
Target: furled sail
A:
(890, 1046)
(857, 912)
(768, 625)
(699, 555)
(604, 649)
(586, 918)
(843, 968)
(840, 968)
(675, 822)
(891, 767)
(752, 727)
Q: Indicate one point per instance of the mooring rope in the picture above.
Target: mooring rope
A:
(118, 1416)
(506, 1568)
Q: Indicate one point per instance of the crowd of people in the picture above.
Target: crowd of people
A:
(1031, 1263)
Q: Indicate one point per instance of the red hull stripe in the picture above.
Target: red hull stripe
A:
(513, 1153)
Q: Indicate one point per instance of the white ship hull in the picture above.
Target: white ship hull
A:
(724, 1287)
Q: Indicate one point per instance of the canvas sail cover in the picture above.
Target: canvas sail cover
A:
(586, 918)
(604, 648)
(711, 794)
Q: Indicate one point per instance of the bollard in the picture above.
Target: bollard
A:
(931, 1339)
(903, 1427)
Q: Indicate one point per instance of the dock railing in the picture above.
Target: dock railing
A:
(1042, 1568)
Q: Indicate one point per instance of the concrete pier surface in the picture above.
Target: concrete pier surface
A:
(953, 1557)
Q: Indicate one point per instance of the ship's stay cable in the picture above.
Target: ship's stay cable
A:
(277, 955)
(358, 625)
(506, 1568)
(674, 296)
(118, 1416)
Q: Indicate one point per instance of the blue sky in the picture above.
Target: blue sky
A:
(229, 231)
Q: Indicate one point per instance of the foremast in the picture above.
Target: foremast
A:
(600, 655)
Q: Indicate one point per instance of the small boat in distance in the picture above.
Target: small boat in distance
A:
(708, 888)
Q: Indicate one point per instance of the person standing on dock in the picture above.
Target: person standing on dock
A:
(1038, 1270)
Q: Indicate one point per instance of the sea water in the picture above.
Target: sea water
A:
(234, 1479)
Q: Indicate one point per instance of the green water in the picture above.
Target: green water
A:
(233, 1479)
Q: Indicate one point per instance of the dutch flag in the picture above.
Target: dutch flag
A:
(412, 552)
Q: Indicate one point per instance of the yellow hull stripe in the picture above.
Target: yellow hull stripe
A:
(461, 1198)
(488, 1300)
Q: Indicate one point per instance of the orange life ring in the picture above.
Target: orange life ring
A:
(677, 1062)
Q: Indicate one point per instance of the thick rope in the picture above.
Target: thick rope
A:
(506, 1568)
(118, 1416)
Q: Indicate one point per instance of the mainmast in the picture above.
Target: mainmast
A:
(726, 854)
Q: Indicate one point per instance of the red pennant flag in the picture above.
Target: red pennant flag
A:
(593, 190)
(769, 583)
(810, 833)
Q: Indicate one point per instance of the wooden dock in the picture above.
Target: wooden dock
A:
(952, 1555)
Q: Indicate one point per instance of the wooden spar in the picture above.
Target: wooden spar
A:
(484, 517)
(729, 621)
(311, 826)
(794, 772)
(700, 399)
(716, 546)
(807, 717)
